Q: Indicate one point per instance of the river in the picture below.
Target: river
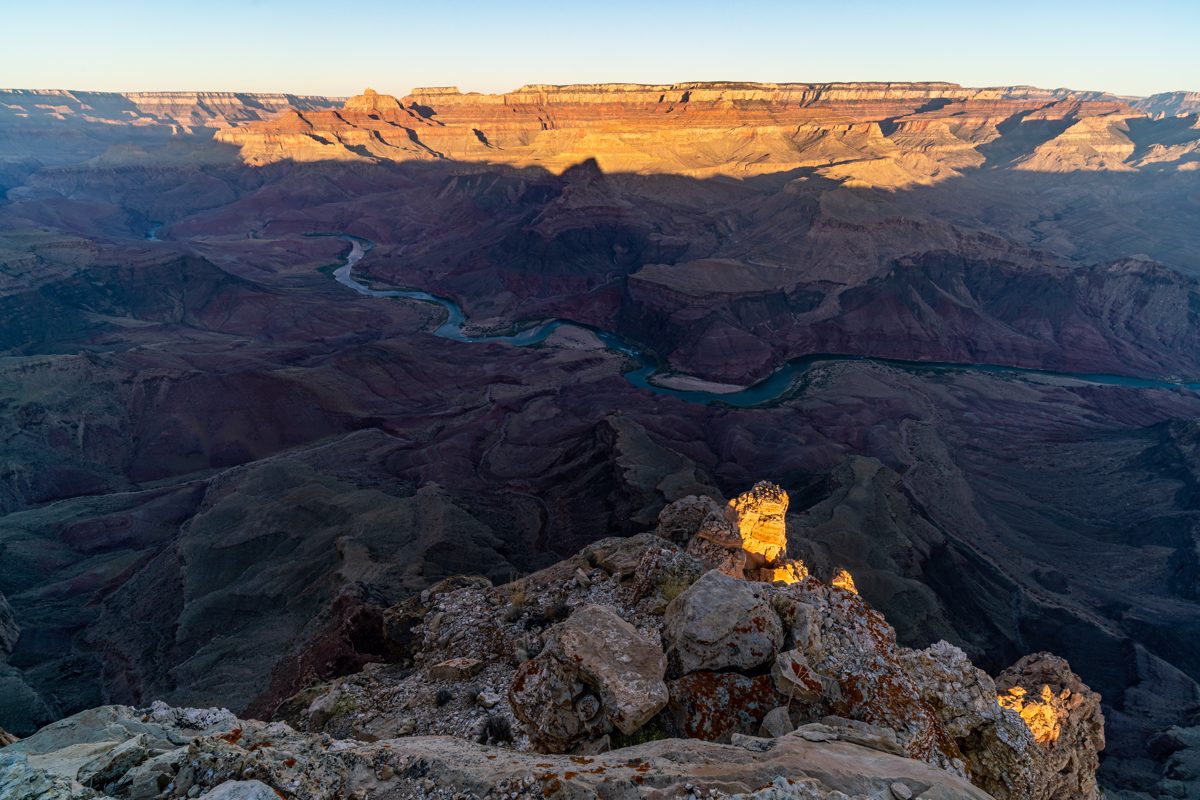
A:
(761, 393)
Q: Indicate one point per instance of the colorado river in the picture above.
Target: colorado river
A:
(761, 393)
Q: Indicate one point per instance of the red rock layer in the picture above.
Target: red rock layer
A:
(878, 134)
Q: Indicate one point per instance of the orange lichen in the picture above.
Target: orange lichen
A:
(844, 580)
(1039, 713)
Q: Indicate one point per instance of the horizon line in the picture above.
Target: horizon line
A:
(527, 86)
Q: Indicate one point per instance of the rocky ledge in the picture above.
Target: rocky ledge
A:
(694, 661)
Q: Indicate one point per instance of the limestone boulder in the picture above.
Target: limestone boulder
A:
(455, 669)
(777, 723)
(619, 556)
(240, 790)
(721, 623)
(679, 521)
(556, 707)
(111, 765)
(596, 672)
(716, 705)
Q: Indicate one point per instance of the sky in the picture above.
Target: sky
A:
(335, 48)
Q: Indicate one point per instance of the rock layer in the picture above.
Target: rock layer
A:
(880, 134)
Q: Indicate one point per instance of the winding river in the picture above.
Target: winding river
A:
(761, 393)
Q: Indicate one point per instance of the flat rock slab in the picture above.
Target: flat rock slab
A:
(456, 669)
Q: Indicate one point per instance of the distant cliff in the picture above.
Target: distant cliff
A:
(872, 134)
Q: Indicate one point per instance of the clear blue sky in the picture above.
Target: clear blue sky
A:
(337, 48)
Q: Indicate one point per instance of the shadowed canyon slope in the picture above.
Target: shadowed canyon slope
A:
(209, 442)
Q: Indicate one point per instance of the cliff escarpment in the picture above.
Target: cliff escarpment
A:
(885, 134)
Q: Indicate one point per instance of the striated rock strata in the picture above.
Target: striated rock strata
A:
(870, 134)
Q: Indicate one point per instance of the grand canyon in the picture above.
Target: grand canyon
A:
(440, 445)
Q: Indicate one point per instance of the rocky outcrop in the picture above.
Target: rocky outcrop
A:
(570, 661)
(933, 130)
(371, 102)
(759, 517)
(746, 538)
(1064, 717)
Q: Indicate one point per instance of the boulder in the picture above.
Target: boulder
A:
(625, 667)
(149, 779)
(21, 781)
(777, 722)
(619, 556)
(110, 766)
(240, 790)
(679, 521)
(595, 672)
(455, 669)
(801, 624)
(996, 745)
(875, 737)
(715, 705)
(7, 738)
(721, 623)
(665, 572)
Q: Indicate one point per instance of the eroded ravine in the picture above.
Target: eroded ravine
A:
(765, 391)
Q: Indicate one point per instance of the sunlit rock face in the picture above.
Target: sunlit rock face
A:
(1064, 716)
(844, 580)
(747, 538)
(759, 516)
(866, 134)
(371, 102)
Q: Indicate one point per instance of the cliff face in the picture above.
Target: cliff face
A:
(875, 134)
(188, 109)
(1169, 104)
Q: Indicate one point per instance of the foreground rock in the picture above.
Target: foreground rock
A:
(632, 646)
(721, 622)
(637, 639)
(185, 753)
(595, 673)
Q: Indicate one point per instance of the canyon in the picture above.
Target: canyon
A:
(219, 461)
